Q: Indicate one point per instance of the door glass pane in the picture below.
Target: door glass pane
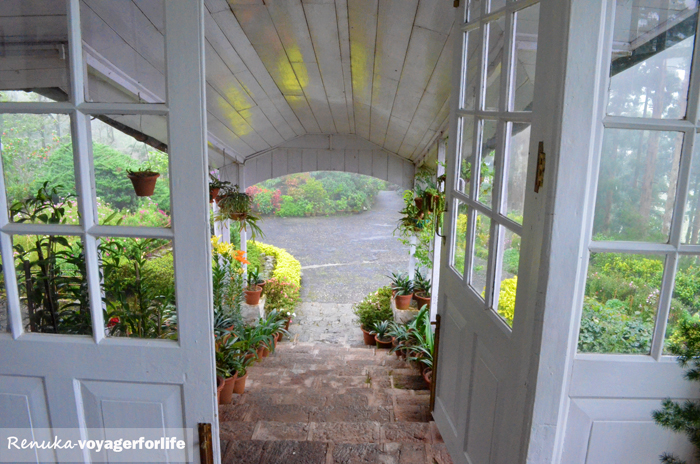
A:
(480, 253)
(472, 58)
(509, 261)
(52, 287)
(619, 308)
(34, 56)
(460, 237)
(36, 149)
(685, 304)
(492, 82)
(122, 143)
(691, 219)
(486, 157)
(524, 57)
(139, 287)
(124, 48)
(466, 159)
(651, 58)
(516, 170)
(496, 5)
(474, 10)
(637, 185)
(4, 310)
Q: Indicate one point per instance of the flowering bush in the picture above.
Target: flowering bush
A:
(281, 296)
(227, 276)
(506, 299)
(375, 307)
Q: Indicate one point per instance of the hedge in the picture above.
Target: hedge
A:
(287, 268)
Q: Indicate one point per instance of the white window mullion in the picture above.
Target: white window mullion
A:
(14, 312)
(683, 180)
(665, 296)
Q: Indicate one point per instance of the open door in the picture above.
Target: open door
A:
(77, 378)
(489, 264)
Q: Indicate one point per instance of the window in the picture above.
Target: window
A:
(498, 68)
(643, 266)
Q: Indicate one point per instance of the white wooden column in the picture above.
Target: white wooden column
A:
(437, 240)
(244, 235)
(412, 258)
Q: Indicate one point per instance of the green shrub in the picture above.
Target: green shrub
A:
(374, 308)
(287, 268)
(606, 328)
(506, 299)
(281, 296)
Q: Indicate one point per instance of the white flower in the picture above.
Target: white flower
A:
(294, 314)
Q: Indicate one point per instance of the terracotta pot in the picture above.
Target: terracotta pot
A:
(239, 386)
(238, 216)
(422, 299)
(144, 185)
(403, 301)
(419, 203)
(369, 338)
(278, 337)
(262, 286)
(260, 352)
(213, 193)
(428, 376)
(228, 389)
(384, 344)
(219, 386)
(252, 297)
(286, 325)
(250, 355)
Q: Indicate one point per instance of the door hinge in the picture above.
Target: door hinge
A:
(539, 177)
(206, 447)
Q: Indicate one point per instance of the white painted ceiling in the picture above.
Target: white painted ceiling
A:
(276, 69)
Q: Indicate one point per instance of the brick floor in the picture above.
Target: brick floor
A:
(322, 403)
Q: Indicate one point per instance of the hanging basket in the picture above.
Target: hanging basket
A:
(238, 216)
(144, 185)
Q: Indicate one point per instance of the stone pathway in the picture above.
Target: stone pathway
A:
(315, 403)
(326, 323)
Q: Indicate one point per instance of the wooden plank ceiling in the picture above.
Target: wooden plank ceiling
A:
(279, 69)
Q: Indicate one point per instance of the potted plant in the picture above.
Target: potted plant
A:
(253, 291)
(143, 180)
(400, 335)
(421, 290)
(404, 292)
(238, 206)
(254, 275)
(374, 308)
(241, 365)
(381, 334)
(423, 350)
(215, 185)
(225, 354)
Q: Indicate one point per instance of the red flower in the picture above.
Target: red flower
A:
(112, 322)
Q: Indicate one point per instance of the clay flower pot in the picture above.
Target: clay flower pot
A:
(422, 298)
(239, 386)
(395, 344)
(368, 337)
(228, 389)
(252, 297)
(144, 185)
(403, 301)
(286, 325)
(262, 286)
(219, 386)
(260, 352)
(384, 343)
(213, 193)
(428, 376)
(419, 203)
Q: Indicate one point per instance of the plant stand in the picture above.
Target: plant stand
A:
(251, 313)
(402, 316)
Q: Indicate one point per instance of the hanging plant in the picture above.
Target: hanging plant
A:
(143, 180)
(215, 186)
(238, 206)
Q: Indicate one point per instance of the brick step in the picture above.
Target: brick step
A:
(250, 412)
(318, 452)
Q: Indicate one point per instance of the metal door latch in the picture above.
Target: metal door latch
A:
(539, 177)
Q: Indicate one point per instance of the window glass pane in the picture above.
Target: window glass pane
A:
(685, 304)
(492, 81)
(122, 143)
(480, 253)
(474, 10)
(139, 288)
(691, 219)
(651, 58)
(524, 57)
(472, 58)
(124, 47)
(36, 149)
(460, 237)
(637, 185)
(4, 310)
(34, 56)
(486, 156)
(619, 308)
(466, 159)
(516, 170)
(52, 287)
(509, 261)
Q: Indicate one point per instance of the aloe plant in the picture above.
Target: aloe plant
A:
(401, 284)
(381, 330)
(424, 339)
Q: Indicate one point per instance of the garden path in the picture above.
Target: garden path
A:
(343, 258)
(314, 403)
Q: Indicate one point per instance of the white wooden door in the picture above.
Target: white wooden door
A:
(487, 332)
(91, 383)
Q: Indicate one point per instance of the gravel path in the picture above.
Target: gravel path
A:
(343, 258)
